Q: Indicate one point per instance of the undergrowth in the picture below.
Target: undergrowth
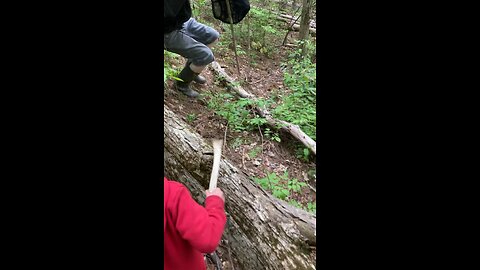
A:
(237, 111)
(168, 71)
(299, 107)
(283, 187)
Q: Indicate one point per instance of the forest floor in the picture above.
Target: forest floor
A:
(245, 149)
(249, 151)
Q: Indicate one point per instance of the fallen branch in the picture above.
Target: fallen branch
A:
(290, 45)
(289, 18)
(291, 24)
(294, 130)
(296, 26)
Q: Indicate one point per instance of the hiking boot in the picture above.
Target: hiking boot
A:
(198, 78)
(187, 75)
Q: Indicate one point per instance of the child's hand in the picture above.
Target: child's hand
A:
(216, 192)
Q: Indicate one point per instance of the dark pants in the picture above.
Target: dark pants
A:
(191, 42)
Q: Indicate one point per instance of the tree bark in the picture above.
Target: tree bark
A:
(305, 24)
(264, 232)
(305, 19)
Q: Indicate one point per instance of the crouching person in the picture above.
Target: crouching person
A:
(183, 35)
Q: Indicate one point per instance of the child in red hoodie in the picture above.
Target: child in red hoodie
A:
(188, 228)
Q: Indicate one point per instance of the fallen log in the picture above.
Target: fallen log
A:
(290, 45)
(290, 19)
(296, 27)
(264, 232)
(294, 130)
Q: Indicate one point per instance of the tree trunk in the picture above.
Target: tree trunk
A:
(305, 21)
(264, 232)
(305, 24)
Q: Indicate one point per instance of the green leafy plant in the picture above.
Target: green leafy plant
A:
(272, 182)
(272, 135)
(303, 153)
(191, 117)
(295, 185)
(312, 207)
(237, 142)
(280, 185)
(197, 7)
(237, 112)
(263, 33)
(168, 70)
(254, 152)
(299, 106)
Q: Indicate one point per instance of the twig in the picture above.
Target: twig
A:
(243, 157)
(288, 30)
(257, 81)
(225, 136)
(261, 136)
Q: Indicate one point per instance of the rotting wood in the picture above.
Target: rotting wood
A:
(296, 26)
(294, 130)
(265, 233)
(290, 19)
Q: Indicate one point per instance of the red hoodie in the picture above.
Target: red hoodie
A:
(189, 229)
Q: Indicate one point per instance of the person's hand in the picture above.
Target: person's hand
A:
(216, 192)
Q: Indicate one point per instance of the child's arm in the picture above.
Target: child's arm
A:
(201, 227)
